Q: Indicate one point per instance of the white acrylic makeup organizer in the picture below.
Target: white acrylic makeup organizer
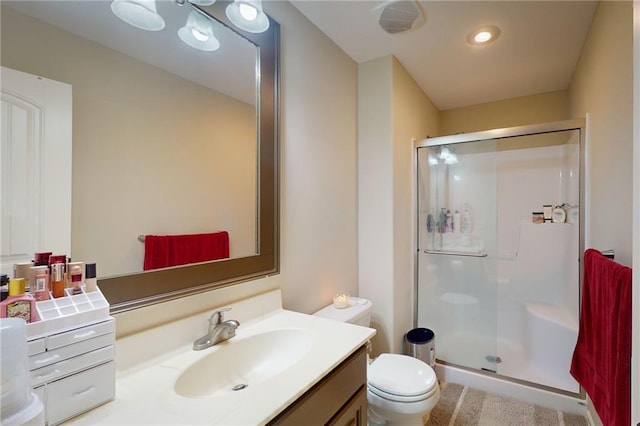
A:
(71, 311)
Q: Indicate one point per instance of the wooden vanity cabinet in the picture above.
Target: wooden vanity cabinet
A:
(339, 399)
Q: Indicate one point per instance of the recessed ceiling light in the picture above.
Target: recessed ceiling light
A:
(484, 35)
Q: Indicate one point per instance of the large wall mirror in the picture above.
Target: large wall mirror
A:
(167, 139)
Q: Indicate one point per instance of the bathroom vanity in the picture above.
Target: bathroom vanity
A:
(340, 398)
(281, 368)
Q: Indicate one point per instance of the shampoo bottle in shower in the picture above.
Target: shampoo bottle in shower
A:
(448, 224)
(465, 227)
(456, 222)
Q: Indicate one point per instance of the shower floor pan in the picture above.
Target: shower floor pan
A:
(476, 352)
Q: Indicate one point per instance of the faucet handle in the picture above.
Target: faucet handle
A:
(219, 313)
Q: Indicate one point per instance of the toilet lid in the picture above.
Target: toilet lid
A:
(401, 375)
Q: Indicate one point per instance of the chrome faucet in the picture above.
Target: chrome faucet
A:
(219, 331)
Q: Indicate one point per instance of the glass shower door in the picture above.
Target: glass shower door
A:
(499, 287)
(457, 297)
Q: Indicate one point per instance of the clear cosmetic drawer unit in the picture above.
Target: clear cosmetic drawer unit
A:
(71, 355)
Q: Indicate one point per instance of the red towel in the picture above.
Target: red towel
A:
(162, 251)
(602, 357)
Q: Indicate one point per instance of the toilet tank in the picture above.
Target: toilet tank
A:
(358, 312)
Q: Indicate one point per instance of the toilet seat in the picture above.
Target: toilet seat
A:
(401, 398)
(401, 378)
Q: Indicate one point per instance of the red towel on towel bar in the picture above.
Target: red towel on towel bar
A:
(602, 357)
(162, 251)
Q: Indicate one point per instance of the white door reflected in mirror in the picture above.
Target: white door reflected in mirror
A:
(36, 167)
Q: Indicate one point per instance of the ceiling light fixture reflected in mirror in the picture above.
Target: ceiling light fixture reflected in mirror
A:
(198, 33)
(248, 15)
(139, 13)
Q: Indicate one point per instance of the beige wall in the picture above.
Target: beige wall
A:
(375, 196)
(318, 181)
(541, 108)
(414, 117)
(392, 111)
(152, 153)
(602, 89)
(318, 170)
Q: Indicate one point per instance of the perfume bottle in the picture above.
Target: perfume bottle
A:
(18, 304)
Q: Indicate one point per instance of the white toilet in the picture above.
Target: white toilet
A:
(401, 389)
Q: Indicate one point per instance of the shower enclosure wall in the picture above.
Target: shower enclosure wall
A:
(500, 290)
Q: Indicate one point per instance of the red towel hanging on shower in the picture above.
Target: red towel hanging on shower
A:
(602, 357)
(162, 251)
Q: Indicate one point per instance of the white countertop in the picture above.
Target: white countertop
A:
(145, 386)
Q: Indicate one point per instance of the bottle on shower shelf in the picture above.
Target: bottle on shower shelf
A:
(456, 222)
(442, 220)
(448, 222)
(465, 226)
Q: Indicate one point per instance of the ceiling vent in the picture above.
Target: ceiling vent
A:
(399, 16)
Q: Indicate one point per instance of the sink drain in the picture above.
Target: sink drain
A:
(239, 387)
(493, 359)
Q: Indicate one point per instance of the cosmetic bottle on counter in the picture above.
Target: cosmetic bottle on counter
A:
(41, 258)
(4, 287)
(75, 277)
(23, 270)
(57, 280)
(559, 215)
(58, 258)
(18, 304)
(40, 286)
(90, 281)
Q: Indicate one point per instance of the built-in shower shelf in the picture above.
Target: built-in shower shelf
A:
(457, 253)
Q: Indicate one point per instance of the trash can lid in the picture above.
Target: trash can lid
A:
(401, 375)
(420, 335)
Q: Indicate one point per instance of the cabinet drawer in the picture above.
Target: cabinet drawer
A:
(80, 392)
(80, 334)
(36, 346)
(71, 365)
(51, 357)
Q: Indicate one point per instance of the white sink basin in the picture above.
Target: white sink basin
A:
(243, 362)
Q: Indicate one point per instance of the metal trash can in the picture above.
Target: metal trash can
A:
(421, 343)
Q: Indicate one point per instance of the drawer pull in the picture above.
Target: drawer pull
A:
(47, 360)
(45, 376)
(84, 392)
(84, 335)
